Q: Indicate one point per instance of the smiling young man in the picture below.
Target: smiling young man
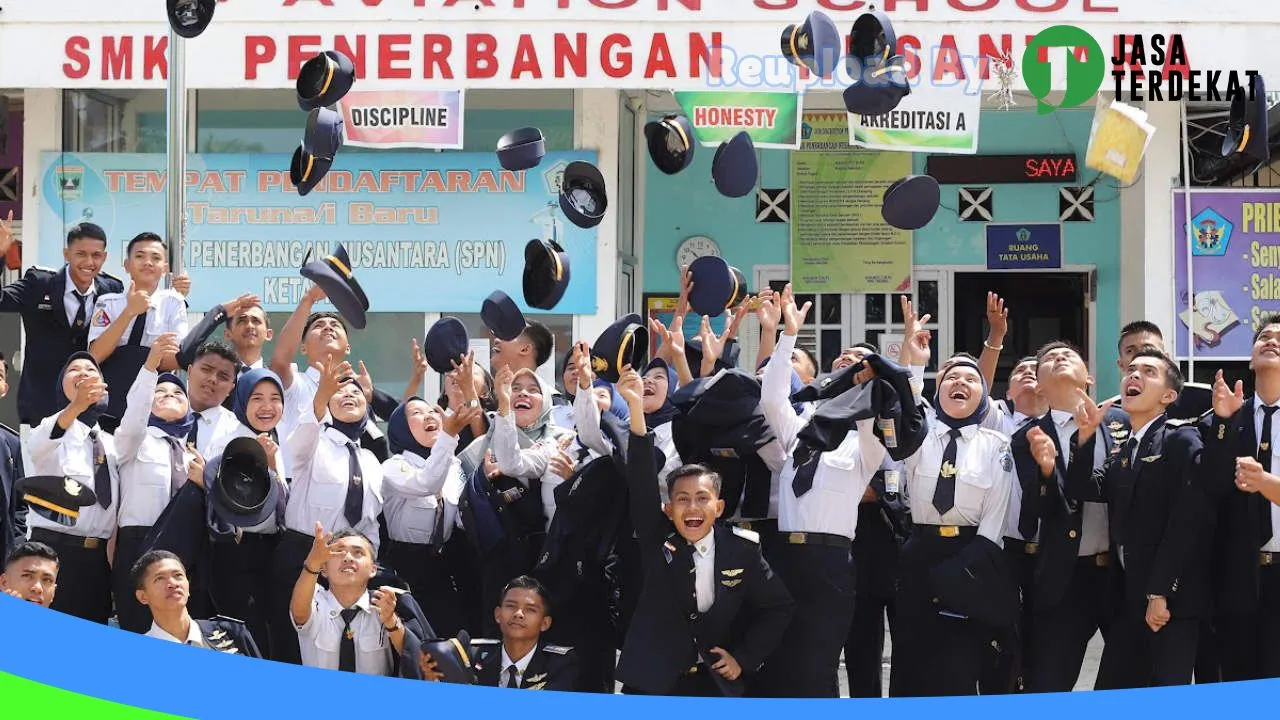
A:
(55, 306)
(161, 584)
(1156, 506)
(126, 325)
(31, 573)
(711, 608)
(529, 351)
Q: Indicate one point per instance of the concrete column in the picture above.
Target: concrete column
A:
(595, 127)
(1146, 288)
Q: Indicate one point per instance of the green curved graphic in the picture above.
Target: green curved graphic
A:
(46, 701)
(1084, 78)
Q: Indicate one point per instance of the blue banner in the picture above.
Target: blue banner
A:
(426, 232)
(1022, 247)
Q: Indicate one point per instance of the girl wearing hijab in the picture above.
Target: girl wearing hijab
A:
(70, 443)
(958, 485)
(155, 463)
(422, 484)
(519, 463)
(336, 482)
(242, 557)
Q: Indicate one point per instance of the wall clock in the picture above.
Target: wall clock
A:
(694, 247)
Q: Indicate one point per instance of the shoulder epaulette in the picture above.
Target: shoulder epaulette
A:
(43, 269)
(745, 534)
(484, 641)
(109, 276)
(1176, 422)
(9, 429)
(557, 649)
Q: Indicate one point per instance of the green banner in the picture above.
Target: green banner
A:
(772, 119)
(839, 241)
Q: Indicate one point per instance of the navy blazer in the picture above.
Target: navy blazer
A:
(38, 298)
(1156, 508)
(552, 667)
(751, 611)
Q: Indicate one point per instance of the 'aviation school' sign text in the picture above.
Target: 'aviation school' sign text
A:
(386, 119)
(634, 44)
(426, 233)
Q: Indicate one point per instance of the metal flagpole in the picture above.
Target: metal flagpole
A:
(1190, 238)
(175, 187)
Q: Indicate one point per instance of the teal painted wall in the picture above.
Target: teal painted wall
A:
(688, 204)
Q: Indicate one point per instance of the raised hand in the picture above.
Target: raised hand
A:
(182, 283)
(582, 361)
(137, 301)
(502, 386)
(239, 305)
(195, 466)
(384, 600)
(769, 311)
(89, 392)
(323, 549)
(269, 447)
(165, 345)
(1088, 415)
(1043, 450)
(460, 418)
(997, 316)
(6, 234)
(793, 316)
(365, 381)
(1226, 402)
(631, 388)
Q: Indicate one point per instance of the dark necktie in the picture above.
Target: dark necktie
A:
(101, 473)
(944, 494)
(512, 680)
(806, 459)
(353, 508)
(1264, 458)
(347, 645)
(193, 436)
(138, 329)
(177, 464)
(1126, 451)
(78, 323)
(437, 530)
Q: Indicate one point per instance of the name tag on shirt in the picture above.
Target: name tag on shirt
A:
(887, 430)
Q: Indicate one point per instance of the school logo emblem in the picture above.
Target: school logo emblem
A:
(70, 181)
(101, 319)
(1212, 233)
(552, 176)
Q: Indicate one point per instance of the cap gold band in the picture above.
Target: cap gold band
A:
(466, 659)
(627, 337)
(555, 258)
(1244, 139)
(795, 30)
(340, 265)
(306, 172)
(679, 131)
(330, 67)
(51, 506)
(734, 294)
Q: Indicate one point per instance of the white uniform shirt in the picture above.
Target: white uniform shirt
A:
(586, 419)
(217, 426)
(299, 398)
(418, 489)
(168, 314)
(321, 472)
(997, 416)
(320, 637)
(72, 304)
(984, 480)
(72, 455)
(1094, 534)
(1012, 424)
(194, 636)
(522, 665)
(842, 475)
(704, 571)
(145, 462)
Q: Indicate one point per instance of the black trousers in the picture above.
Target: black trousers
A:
(464, 566)
(243, 586)
(1062, 632)
(864, 645)
(1208, 654)
(431, 582)
(582, 621)
(933, 654)
(820, 578)
(1249, 643)
(699, 684)
(84, 576)
(1007, 656)
(286, 566)
(132, 615)
(1136, 657)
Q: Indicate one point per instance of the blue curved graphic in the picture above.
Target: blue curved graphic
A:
(109, 664)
